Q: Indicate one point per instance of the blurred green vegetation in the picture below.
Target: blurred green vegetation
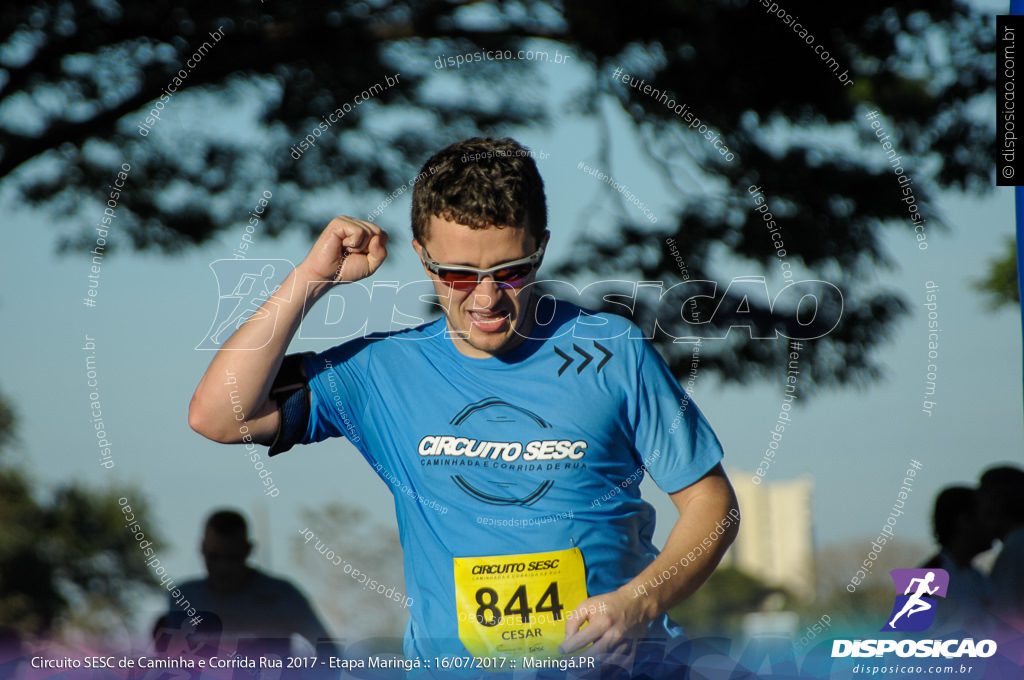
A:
(1001, 285)
(67, 560)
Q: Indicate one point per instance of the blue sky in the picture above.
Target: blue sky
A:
(153, 311)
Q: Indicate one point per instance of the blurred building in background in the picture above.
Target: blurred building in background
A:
(776, 539)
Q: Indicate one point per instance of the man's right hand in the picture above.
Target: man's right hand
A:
(360, 246)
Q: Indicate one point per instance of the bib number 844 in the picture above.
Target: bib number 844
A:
(488, 614)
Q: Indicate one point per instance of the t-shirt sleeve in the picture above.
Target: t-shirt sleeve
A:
(337, 386)
(673, 439)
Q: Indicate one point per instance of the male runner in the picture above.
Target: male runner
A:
(513, 412)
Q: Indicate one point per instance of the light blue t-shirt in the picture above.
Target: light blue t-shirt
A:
(489, 456)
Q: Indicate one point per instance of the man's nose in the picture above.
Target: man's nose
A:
(486, 293)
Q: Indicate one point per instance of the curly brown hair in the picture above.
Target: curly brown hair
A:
(480, 182)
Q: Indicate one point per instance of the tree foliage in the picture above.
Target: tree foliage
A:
(1001, 286)
(66, 558)
(83, 75)
(805, 140)
(721, 603)
(80, 76)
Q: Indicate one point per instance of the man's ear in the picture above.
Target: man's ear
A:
(419, 254)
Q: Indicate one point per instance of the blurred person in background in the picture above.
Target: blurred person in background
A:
(248, 602)
(1002, 494)
(962, 534)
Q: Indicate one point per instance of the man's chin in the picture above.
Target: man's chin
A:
(492, 343)
(505, 339)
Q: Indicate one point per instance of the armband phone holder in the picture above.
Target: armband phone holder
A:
(291, 392)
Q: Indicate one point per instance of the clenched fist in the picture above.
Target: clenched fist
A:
(347, 250)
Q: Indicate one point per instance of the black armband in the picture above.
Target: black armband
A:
(291, 392)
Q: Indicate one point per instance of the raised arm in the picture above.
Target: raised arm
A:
(243, 370)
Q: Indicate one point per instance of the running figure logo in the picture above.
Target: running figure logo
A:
(915, 611)
(243, 286)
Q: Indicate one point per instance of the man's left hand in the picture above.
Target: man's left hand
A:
(612, 619)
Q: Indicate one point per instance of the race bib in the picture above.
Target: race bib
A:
(516, 605)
